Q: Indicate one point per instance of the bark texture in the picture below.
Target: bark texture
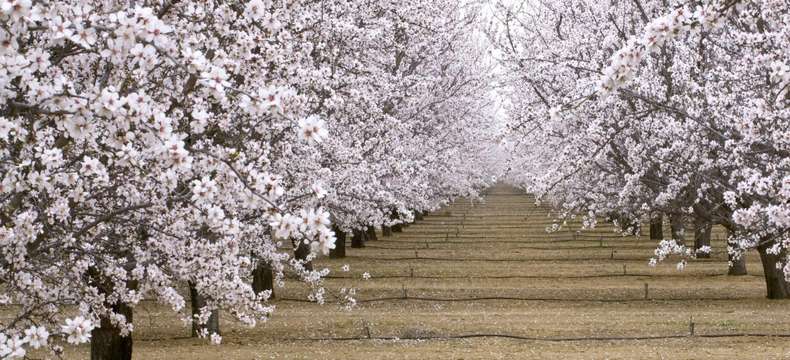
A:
(702, 231)
(358, 239)
(301, 251)
(372, 233)
(106, 340)
(657, 228)
(263, 279)
(776, 285)
(678, 228)
(199, 302)
(737, 265)
(339, 251)
(397, 228)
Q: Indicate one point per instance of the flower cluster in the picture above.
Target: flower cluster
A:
(14, 347)
(626, 60)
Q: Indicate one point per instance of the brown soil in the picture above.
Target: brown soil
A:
(592, 285)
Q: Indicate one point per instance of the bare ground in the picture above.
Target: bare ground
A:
(489, 271)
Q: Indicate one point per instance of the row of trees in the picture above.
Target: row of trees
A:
(641, 110)
(150, 147)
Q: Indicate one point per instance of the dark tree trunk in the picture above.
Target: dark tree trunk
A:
(386, 231)
(418, 216)
(397, 228)
(199, 302)
(106, 340)
(263, 279)
(776, 285)
(678, 230)
(737, 266)
(657, 228)
(372, 233)
(702, 231)
(339, 251)
(301, 252)
(358, 239)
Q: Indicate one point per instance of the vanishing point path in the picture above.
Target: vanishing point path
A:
(486, 281)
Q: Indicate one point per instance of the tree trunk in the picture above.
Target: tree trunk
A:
(301, 252)
(386, 231)
(372, 233)
(339, 251)
(106, 340)
(678, 230)
(263, 279)
(702, 231)
(418, 216)
(397, 228)
(199, 302)
(776, 285)
(358, 239)
(657, 228)
(737, 266)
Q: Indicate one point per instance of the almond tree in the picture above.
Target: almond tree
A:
(647, 110)
(151, 147)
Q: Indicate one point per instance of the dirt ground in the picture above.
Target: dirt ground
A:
(490, 270)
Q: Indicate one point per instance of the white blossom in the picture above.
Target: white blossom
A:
(78, 330)
(36, 336)
(313, 128)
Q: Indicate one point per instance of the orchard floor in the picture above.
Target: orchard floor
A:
(492, 269)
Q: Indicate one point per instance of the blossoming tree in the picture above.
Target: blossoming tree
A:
(146, 149)
(644, 109)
